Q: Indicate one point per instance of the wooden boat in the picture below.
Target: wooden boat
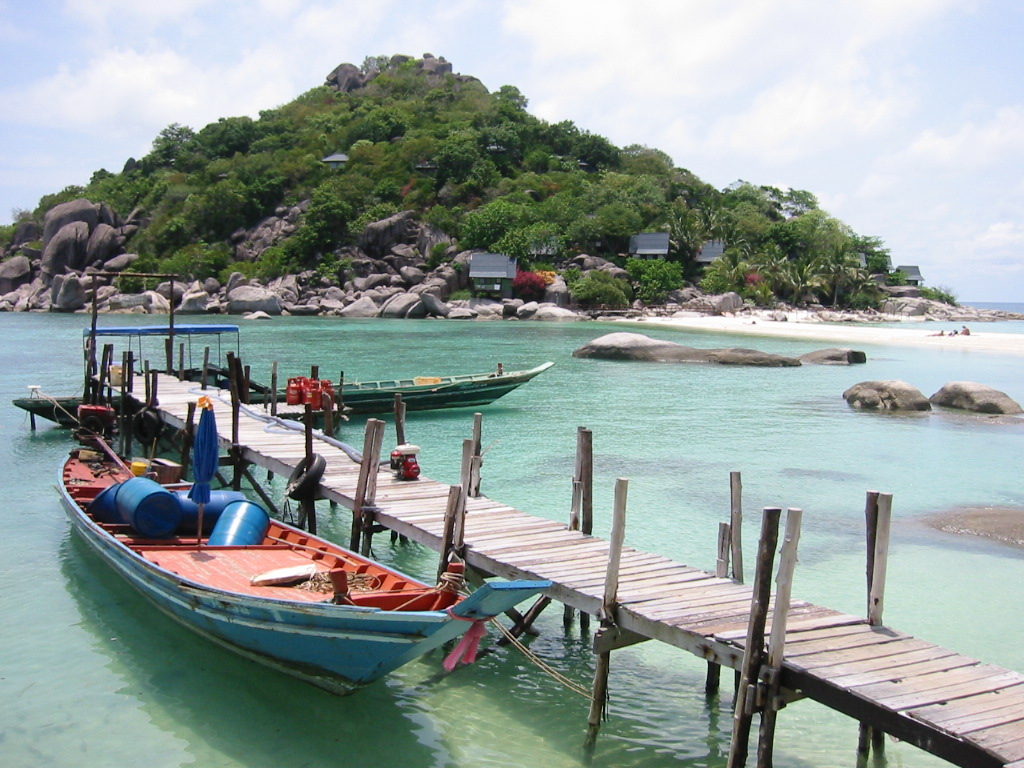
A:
(371, 620)
(419, 393)
(422, 393)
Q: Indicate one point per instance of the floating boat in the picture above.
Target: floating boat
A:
(469, 390)
(267, 590)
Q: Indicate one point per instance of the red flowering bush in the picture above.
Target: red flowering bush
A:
(529, 286)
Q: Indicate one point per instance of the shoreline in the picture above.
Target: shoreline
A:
(848, 334)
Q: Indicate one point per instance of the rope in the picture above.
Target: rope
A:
(553, 673)
(57, 406)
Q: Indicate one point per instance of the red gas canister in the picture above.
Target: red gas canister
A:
(295, 391)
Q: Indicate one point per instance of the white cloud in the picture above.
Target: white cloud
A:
(987, 142)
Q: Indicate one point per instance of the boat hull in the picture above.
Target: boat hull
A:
(336, 647)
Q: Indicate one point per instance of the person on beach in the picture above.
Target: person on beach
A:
(940, 333)
(965, 331)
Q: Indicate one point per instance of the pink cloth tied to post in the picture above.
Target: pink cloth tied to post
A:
(468, 646)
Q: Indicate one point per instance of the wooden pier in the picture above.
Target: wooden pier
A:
(958, 708)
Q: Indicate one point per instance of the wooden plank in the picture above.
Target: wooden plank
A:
(947, 693)
(970, 706)
(865, 636)
(819, 661)
(923, 683)
(943, 664)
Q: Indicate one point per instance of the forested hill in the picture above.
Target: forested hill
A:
(478, 170)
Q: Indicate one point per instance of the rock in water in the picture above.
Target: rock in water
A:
(834, 356)
(972, 396)
(637, 346)
(886, 396)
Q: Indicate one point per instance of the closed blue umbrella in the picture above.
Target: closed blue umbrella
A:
(205, 458)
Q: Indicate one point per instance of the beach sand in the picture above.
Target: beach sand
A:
(999, 524)
(847, 335)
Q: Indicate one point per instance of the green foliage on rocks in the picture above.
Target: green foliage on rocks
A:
(479, 167)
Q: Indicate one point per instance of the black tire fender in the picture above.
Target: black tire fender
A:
(306, 477)
(93, 424)
(147, 425)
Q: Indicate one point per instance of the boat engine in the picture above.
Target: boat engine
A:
(97, 419)
(404, 462)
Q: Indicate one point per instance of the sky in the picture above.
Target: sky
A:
(904, 117)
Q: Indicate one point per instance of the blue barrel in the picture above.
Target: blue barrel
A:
(104, 507)
(214, 507)
(241, 524)
(148, 507)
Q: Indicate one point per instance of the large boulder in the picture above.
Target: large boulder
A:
(15, 272)
(66, 249)
(361, 307)
(892, 395)
(636, 346)
(380, 236)
(399, 305)
(972, 396)
(346, 78)
(104, 242)
(551, 313)
(834, 356)
(80, 210)
(412, 275)
(68, 294)
(194, 302)
(251, 298)
(119, 263)
(433, 305)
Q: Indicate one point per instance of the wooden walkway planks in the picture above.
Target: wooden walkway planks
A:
(955, 707)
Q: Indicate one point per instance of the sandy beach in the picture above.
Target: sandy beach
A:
(847, 335)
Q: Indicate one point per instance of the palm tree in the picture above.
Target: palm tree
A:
(801, 277)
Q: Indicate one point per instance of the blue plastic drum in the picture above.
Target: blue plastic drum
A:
(148, 507)
(214, 507)
(241, 524)
(104, 507)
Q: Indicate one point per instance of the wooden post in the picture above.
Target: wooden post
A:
(169, 354)
(246, 373)
(273, 389)
(714, 676)
(736, 524)
(187, 437)
(154, 401)
(131, 371)
(585, 475)
(125, 418)
(466, 472)
(206, 367)
(106, 358)
(314, 371)
(599, 702)
(399, 419)
(753, 652)
(340, 393)
(181, 361)
(366, 486)
(777, 639)
(877, 518)
(448, 534)
(476, 460)
(308, 503)
(328, 405)
(569, 612)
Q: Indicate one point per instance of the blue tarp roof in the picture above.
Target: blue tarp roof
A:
(162, 330)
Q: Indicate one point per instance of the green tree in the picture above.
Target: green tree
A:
(600, 289)
(654, 278)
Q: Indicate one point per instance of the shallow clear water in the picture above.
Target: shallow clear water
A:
(91, 675)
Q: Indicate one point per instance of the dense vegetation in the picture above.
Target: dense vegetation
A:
(479, 167)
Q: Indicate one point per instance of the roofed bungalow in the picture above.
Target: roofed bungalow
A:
(710, 252)
(649, 245)
(912, 272)
(493, 273)
(337, 160)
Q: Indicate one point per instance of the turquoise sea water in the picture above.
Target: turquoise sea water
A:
(91, 675)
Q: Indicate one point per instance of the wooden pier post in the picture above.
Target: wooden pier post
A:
(714, 675)
(599, 700)
(877, 519)
(753, 652)
(736, 524)
(585, 475)
(476, 459)
(124, 419)
(308, 503)
(366, 487)
(772, 671)
(181, 361)
(569, 613)
(399, 419)
(273, 389)
(187, 438)
(206, 368)
(451, 511)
